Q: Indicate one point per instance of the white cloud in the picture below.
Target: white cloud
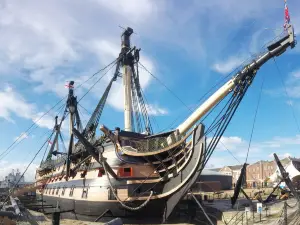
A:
(283, 141)
(232, 143)
(84, 36)
(281, 156)
(22, 136)
(296, 74)
(293, 84)
(12, 103)
(239, 146)
(156, 110)
(292, 87)
(262, 150)
(228, 65)
(137, 11)
(67, 40)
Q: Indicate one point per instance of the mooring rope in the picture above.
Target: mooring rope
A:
(117, 197)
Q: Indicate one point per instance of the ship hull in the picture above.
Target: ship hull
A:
(90, 210)
(90, 197)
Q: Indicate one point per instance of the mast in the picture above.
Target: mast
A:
(71, 104)
(57, 128)
(249, 70)
(127, 73)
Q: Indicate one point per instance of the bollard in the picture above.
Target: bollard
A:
(55, 218)
(260, 217)
(243, 218)
(285, 213)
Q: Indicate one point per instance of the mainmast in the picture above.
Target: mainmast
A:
(127, 73)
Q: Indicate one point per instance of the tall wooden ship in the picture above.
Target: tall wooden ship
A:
(131, 171)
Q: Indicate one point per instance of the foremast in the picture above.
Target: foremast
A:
(74, 121)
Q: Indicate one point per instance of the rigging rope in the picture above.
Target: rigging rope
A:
(90, 128)
(44, 114)
(285, 89)
(9, 150)
(47, 146)
(138, 102)
(147, 103)
(176, 96)
(25, 170)
(255, 115)
(119, 200)
(96, 83)
(238, 93)
(85, 109)
(27, 132)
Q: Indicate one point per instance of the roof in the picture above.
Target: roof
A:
(285, 161)
(210, 172)
(216, 169)
(236, 167)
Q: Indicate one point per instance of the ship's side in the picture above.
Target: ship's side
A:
(139, 186)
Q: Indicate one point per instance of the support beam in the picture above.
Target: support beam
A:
(285, 177)
(15, 205)
(90, 148)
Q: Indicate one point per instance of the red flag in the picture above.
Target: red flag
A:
(286, 15)
(68, 85)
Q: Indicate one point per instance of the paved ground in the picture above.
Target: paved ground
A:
(271, 216)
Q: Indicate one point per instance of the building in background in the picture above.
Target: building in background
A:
(13, 178)
(212, 181)
(292, 167)
(259, 173)
(234, 171)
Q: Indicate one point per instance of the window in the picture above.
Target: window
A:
(53, 190)
(63, 191)
(84, 192)
(125, 172)
(101, 172)
(57, 191)
(71, 191)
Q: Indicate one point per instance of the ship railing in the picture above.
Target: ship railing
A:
(50, 164)
(156, 143)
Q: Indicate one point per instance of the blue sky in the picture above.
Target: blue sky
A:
(188, 45)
